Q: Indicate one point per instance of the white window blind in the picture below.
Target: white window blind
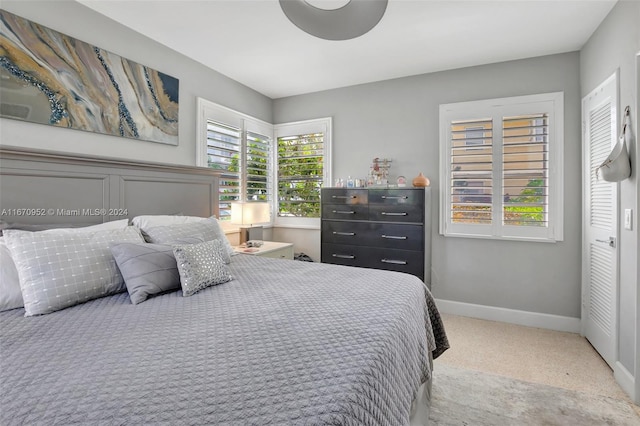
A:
(257, 167)
(224, 144)
(471, 162)
(501, 168)
(300, 174)
(525, 165)
(240, 147)
(303, 165)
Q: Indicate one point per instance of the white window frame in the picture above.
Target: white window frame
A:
(208, 110)
(319, 125)
(549, 103)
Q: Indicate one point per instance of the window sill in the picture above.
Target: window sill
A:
(501, 238)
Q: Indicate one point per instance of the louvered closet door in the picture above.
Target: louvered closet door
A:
(600, 254)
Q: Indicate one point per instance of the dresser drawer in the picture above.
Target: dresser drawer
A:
(388, 235)
(344, 196)
(393, 197)
(396, 205)
(409, 261)
(396, 213)
(345, 211)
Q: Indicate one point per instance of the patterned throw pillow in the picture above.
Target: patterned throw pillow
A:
(147, 269)
(10, 294)
(201, 231)
(201, 265)
(62, 269)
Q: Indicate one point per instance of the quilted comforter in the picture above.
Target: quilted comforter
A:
(284, 342)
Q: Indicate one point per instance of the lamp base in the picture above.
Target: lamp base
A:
(250, 233)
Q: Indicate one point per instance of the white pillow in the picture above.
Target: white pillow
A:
(115, 224)
(192, 232)
(62, 269)
(149, 221)
(10, 293)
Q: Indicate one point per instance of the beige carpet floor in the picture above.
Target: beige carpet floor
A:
(563, 360)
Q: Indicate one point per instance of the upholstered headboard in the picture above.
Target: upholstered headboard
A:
(39, 187)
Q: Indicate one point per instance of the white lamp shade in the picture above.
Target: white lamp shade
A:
(243, 213)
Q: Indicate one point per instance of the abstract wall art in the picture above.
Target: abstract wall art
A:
(50, 78)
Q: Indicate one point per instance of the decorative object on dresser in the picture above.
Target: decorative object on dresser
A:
(379, 172)
(267, 249)
(378, 228)
(421, 181)
(249, 213)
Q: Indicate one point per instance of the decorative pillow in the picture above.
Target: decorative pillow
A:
(147, 269)
(200, 266)
(204, 230)
(62, 269)
(10, 295)
(149, 221)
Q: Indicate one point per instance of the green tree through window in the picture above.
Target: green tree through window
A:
(300, 174)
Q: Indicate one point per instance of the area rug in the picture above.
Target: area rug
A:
(470, 398)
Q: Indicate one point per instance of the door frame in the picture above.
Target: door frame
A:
(636, 374)
(584, 249)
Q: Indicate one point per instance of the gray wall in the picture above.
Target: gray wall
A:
(398, 119)
(196, 80)
(614, 46)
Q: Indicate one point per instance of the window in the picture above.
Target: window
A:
(501, 165)
(303, 167)
(240, 147)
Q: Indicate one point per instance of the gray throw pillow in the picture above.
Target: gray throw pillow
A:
(62, 269)
(200, 231)
(201, 265)
(147, 269)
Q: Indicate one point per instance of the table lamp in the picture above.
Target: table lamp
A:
(245, 213)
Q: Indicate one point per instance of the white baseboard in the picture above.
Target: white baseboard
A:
(512, 316)
(626, 381)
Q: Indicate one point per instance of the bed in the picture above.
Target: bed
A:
(282, 342)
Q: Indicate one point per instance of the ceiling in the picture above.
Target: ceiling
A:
(251, 41)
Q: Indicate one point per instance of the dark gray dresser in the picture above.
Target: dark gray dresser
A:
(378, 228)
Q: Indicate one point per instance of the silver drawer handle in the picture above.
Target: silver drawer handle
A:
(343, 197)
(343, 256)
(394, 262)
(347, 234)
(393, 237)
(343, 212)
(394, 214)
(394, 197)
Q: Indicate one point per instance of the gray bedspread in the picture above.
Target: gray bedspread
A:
(285, 342)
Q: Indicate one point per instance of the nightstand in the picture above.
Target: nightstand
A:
(268, 249)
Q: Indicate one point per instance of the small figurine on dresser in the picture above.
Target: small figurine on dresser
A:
(379, 172)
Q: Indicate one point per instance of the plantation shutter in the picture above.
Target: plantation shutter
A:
(501, 163)
(257, 167)
(223, 153)
(471, 165)
(300, 174)
(525, 170)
